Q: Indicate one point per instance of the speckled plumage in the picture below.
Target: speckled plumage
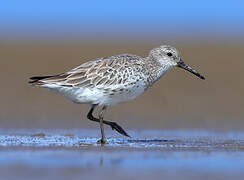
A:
(115, 79)
(124, 76)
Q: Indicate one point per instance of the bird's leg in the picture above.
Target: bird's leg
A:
(113, 125)
(103, 140)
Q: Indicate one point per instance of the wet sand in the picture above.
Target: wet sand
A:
(74, 154)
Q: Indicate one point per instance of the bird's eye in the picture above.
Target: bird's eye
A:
(169, 54)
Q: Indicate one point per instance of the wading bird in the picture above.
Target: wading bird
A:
(113, 80)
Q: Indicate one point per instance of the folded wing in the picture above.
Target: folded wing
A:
(101, 73)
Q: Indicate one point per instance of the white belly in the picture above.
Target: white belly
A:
(98, 96)
(124, 96)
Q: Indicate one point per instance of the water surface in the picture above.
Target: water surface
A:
(62, 154)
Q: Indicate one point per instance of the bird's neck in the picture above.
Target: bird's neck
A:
(155, 70)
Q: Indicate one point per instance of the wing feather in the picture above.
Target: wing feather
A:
(102, 73)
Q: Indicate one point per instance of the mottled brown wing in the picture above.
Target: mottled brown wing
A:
(101, 72)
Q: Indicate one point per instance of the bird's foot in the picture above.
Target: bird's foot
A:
(118, 128)
(102, 141)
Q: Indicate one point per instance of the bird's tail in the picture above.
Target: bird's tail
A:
(38, 80)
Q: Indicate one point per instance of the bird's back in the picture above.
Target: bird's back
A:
(120, 78)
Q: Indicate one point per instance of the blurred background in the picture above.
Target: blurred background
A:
(50, 37)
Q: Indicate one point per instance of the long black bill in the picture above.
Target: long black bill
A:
(182, 65)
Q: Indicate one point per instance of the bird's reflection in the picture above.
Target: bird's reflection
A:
(101, 161)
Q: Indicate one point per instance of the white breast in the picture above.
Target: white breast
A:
(83, 95)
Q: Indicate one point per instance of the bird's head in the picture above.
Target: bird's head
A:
(168, 57)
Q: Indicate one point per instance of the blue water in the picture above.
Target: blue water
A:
(203, 161)
(175, 154)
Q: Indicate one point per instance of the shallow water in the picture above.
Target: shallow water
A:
(74, 154)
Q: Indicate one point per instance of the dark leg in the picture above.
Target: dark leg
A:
(113, 125)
